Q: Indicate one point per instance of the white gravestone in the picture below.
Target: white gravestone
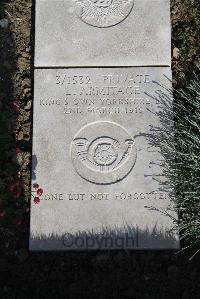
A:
(102, 33)
(92, 151)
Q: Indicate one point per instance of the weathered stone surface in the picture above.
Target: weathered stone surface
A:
(93, 157)
(102, 33)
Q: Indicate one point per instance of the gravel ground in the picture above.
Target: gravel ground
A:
(145, 274)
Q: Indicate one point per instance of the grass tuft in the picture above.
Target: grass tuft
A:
(179, 140)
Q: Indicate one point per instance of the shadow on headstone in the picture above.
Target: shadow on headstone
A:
(107, 239)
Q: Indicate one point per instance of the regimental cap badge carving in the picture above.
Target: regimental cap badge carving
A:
(103, 152)
(103, 13)
(103, 3)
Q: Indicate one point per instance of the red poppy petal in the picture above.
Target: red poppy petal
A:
(40, 191)
(35, 186)
(36, 200)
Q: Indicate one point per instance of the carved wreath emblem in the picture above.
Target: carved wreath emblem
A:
(103, 13)
(103, 152)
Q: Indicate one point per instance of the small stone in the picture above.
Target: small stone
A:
(176, 53)
(4, 23)
(27, 92)
(28, 105)
(26, 83)
(20, 136)
(197, 63)
(25, 55)
(23, 63)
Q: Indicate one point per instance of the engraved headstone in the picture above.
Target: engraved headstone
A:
(92, 154)
(102, 33)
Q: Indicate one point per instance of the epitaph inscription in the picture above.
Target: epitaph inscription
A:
(103, 13)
